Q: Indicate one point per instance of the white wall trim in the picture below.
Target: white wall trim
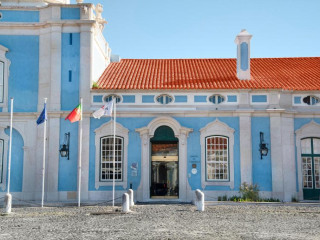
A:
(105, 130)
(3, 51)
(311, 129)
(5, 138)
(217, 128)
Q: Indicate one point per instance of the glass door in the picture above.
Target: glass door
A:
(164, 170)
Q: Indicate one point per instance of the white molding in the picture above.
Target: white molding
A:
(3, 51)
(143, 192)
(311, 129)
(217, 128)
(105, 130)
(245, 147)
(302, 104)
(5, 138)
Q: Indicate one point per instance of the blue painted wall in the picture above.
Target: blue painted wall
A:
(97, 98)
(70, 13)
(134, 149)
(128, 98)
(70, 54)
(200, 98)
(298, 123)
(180, 98)
(261, 168)
(24, 71)
(68, 168)
(232, 98)
(148, 99)
(194, 151)
(19, 16)
(259, 98)
(193, 154)
(244, 54)
(16, 177)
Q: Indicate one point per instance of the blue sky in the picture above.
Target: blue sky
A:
(207, 28)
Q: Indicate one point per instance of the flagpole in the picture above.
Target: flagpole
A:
(8, 197)
(114, 149)
(79, 154)
(10, 146)
(44, 154)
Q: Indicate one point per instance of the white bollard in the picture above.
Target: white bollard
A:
(199, 202)
(8, 203)
(125, 203)
(131, 202)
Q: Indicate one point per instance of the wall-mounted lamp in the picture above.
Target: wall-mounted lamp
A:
(64, 148)
(263, 146)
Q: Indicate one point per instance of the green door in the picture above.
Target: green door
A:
(310, 149)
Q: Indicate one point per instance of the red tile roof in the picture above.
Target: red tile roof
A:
(266, 73)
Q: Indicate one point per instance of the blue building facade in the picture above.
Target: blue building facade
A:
(169, 141)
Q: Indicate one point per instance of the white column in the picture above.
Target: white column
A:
(44, 65)
(85, 157)
(245, 148)
(52, 168)
(144, 190)
(288, 156)
(55, 88)
(86, 56)
(276, 155)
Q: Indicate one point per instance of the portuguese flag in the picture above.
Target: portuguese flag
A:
(75, 115)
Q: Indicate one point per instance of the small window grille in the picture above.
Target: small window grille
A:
(164, 99)
(109, 98)
(217, 99)
(311, 100)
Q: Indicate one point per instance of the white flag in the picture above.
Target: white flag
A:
(105, 110)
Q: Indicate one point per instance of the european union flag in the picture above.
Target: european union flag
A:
(43, 116)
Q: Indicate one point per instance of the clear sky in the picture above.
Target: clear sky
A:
(207, 28)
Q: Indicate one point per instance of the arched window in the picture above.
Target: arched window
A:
(111, 96)
(4, 75)
(107, 170)
(217, 158)
(164, 99)
(311, 100)
(216, 99)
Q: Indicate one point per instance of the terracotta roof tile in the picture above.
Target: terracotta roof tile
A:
(266, 73)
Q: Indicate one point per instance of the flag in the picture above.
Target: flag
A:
(43, 116)
(75, 115)
(105, 110)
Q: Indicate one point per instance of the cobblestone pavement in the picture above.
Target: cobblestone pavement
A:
(159, 221)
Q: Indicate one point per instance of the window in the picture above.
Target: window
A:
(216, 99)
(104, 155)
(106, 158)
(217, 164)
(109, 98)
(4, 74)
(217, 158)
(311, 100)
(1, 159)
(164, 99)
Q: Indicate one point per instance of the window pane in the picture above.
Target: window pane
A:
(107, 157)
(217, 158)
(316, 146)
(307, 172)
(306, 146)
(1, 159)
(317, 172)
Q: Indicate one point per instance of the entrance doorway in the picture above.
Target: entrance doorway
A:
(310, 156)
(164, 164)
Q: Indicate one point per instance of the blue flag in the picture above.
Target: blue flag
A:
(43, 116)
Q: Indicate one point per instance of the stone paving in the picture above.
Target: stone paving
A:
(220, 220)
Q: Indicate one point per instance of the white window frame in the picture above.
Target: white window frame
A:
(217, 128)
(3, 166)
(216, 162)
(107, 130)
(165, 102)
(110, 162)
(302, 96)
(6, 62)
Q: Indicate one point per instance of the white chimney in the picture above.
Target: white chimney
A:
(243, 54)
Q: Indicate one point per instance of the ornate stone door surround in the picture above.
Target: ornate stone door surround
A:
(143, 193)
(311, 129)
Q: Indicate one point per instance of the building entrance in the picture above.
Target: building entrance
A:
(164, 164)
